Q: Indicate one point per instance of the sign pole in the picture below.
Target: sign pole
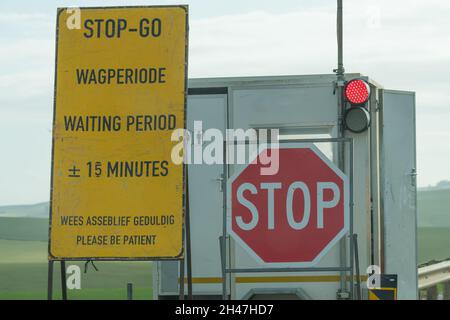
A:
(340, 71)
(181, 279)
(50, 280)
(223, 239)
(188, 240)
(358, 279)
(63, 280)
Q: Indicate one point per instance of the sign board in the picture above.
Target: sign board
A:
(293, 217)
(120, 91)
(387, 289)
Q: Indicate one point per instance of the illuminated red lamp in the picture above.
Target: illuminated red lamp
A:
(357, 92)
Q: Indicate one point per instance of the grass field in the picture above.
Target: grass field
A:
(23, 267)
(23, 275)
(23, 254)
(12, 228)
(434, 244)
(433, 208)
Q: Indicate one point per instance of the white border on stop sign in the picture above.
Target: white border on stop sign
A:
(346, 185)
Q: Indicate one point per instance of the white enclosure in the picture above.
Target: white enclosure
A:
(303, 107)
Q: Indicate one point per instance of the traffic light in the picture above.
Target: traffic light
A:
(356, 97)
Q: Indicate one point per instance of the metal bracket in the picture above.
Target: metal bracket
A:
(337, 70)
(343, 295)
(220, 179)
(337, 84)
(413, 175)
(378, 105)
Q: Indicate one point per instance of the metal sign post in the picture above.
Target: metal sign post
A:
(188, 241)
(340, 71)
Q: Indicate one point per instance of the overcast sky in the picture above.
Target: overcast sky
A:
(401, 44)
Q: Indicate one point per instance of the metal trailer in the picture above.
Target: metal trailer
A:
(384, 186)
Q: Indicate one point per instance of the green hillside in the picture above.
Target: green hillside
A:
(23, 267)
(23, 275)
(434, 244)
(433, 207)
(23, 253)
(23, 229)
(39, 210)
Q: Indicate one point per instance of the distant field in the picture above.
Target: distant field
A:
(23, 267)
(433, 208)
(38, 210)
(23, 275)
(23, 253)
(85, 294)
(434, 244)
(12, 228)
(17, 252)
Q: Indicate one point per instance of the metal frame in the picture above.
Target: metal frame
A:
(431, 276)
(300, 293)
(351, 235)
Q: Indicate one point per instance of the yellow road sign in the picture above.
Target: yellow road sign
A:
(120, 91)
(383, 294)
(387, 289)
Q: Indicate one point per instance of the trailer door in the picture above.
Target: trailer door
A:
(205, 201)
(398, 174)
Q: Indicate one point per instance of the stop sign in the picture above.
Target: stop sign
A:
(293, 217)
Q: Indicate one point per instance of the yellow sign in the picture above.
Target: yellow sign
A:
(120, 91)
(383, 294)
(387, 289)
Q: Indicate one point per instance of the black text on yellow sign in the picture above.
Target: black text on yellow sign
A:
(120, 91)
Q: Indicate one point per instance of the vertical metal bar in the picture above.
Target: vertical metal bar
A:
(447, 290)
(432, 293)
(341, 149)
(343, 261)
(343, 242)
(224, 220)
(341, 164)
(375, 234)
(223, 266)
(188, 240)
(50, 280)
(181, 279)
(358, 275)
(129, 291)
(381, 179)
(351, 219)
(63, 280)
(340, 42)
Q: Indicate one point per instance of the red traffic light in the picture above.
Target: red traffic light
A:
(357, 91)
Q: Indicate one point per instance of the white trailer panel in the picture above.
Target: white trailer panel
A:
(398, 161)
(301, 107)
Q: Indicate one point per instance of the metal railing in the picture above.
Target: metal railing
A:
(434, 281)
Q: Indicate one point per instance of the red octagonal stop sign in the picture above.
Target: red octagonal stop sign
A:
(292, 217)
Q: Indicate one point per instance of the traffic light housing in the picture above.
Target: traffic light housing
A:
(356, 97)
